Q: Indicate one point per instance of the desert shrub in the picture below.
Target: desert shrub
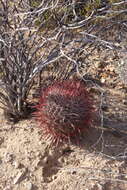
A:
(20, 60)
(28, 43)
(16, 67)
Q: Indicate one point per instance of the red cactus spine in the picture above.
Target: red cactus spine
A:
(65, 111)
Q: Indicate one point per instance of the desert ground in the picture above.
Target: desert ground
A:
(99, 162)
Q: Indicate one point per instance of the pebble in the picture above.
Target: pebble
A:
(29, 186)
(38, 162)
(54, 177)
(38, 154)
(73, 172)
(45, 160)
(7, 188)
(8, 157)
(16, 164)
(102, 80)
(124, 102)
(61, 160)
(97, 187)
(51, 153)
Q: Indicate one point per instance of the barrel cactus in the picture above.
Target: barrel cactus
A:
(65, 111)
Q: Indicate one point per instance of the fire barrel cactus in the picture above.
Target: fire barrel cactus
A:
(65, 111)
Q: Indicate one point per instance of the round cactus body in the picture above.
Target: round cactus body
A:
(65, 111)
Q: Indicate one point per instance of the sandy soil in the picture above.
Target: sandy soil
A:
(99, 163)
(28, 163)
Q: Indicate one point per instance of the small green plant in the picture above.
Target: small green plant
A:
(89, 6)
(113, 1)
(34, 3)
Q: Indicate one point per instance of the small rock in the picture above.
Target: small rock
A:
(61, 160)
(117, 109)
(97, 187)
(20, 176)
(36, 163)
(16, 164)
(73, 172)
(8, 157)
(102, 80)
(38, 154)
(124, 102)
(29, 186)
(51, 153)
(45, 160)
(7, 188)
(54, 177)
